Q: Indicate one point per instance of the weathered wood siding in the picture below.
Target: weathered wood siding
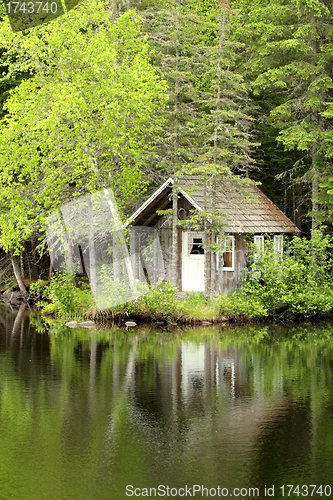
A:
(163, 227)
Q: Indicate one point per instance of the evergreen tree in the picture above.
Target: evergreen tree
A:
(293, 71)
(207, 121)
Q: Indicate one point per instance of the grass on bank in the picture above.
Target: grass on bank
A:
(162, 303)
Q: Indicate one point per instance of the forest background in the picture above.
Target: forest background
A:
(217, 84)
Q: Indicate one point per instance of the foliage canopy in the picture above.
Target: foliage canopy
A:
(86, 119)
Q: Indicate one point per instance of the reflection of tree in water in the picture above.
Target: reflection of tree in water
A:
(252, 393)
(22, 342)
(286, 440)
(178, 406)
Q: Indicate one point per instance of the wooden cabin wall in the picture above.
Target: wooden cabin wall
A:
(227, 281)
(164, 229)
(230, 280)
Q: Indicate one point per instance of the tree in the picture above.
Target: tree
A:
(207, 120)
(290, 62)
(222, 121)
(87, 119)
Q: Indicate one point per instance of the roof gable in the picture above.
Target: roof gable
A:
(246, 210)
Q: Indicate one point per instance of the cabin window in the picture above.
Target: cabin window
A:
(197, 247)
(195, 244)
(278, 246)
(227, 258)
(258, 247)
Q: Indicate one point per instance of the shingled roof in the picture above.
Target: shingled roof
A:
(244, 207)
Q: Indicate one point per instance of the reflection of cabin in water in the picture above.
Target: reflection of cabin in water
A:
(244, 211)
(196, 378)
(190, 378)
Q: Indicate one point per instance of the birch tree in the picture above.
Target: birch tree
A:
(87, 119)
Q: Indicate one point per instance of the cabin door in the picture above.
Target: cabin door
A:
(193, 262)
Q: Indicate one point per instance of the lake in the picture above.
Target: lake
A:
(208, 412)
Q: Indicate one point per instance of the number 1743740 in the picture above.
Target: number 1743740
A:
(31, 7)
(305, 490)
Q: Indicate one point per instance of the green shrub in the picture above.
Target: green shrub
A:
(63, 297)
(239, 305)
(161, 301)
(301, 282)
(116, 291)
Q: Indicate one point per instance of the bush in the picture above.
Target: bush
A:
(238, 305)
(63, 297)
(301, 282)
(161, 301)
(116, 291)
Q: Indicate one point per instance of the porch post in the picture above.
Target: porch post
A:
(174, 249)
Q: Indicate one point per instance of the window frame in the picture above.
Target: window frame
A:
(278, 246)
(259, 247)
(198, 235)
(220, 254)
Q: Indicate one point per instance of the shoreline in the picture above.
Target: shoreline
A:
(285, 318)
(191, 311)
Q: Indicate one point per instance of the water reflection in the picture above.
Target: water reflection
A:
(85, 413)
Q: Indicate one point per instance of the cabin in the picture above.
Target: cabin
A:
(245, 215)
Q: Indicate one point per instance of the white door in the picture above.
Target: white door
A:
(193, 258)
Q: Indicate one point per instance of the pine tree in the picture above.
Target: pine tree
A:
(294, 72)
(225, 142)
(207, 121)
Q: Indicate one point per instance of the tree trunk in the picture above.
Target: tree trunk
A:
(212, 270)
(315, 154)
(177, 63)
(174, 241)
(17, 273)
(92, 254)
(205, 244)
(212, 241)
(120, 239)
(210, 259)
(114, 10)
(298, 201)
(315, 192)
(21, 265)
